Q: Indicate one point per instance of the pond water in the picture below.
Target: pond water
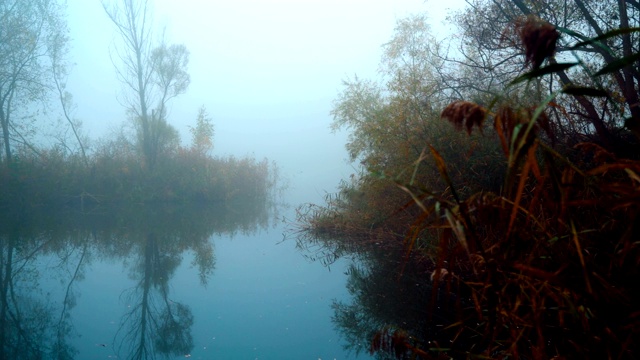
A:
(153, 282)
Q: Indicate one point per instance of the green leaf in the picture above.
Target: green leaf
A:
(608, 34)
(543, 71)
(618, 64)
(571, 33)
(584, 91)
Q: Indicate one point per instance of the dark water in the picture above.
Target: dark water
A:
(153, 282)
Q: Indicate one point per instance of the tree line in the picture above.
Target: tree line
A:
(146, 163)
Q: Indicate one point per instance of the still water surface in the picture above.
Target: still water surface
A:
(150, 282)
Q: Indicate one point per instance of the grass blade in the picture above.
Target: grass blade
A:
(550, 69)
(618, 64)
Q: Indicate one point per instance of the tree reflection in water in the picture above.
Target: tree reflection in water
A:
(30, 327)
(391, 295)
(41, 249)
(154, 322)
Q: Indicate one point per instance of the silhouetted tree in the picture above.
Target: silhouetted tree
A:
(151, 73)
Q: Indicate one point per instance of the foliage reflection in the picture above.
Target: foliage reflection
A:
(41, 250)
(389, 291)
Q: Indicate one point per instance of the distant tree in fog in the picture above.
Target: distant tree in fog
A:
(202, 133)
(33, 46)
(152, 73)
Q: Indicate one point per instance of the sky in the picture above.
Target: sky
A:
(267, 72)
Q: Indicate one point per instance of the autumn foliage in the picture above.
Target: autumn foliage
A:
(543, 265)
(548, 267)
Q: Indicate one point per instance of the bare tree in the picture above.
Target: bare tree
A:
(67, 106)
(151, 74)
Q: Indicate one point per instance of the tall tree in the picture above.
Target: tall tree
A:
(33, 37)
(151, 73)
(390, 118)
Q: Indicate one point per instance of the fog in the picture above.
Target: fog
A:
(267, 72)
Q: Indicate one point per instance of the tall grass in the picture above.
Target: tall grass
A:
(114, 175)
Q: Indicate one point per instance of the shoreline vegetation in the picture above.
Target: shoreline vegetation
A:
(117, 172)
(143, 161)
(492, 219)
(115, 177)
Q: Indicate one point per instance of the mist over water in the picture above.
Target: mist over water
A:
(225, 282)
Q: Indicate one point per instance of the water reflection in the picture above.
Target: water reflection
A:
(44, 254)
(154, 323)
(391, 296)
(29, 327)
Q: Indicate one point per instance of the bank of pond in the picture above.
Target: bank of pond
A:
(53, 178)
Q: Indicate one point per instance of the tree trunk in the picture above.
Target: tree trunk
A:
(629, 90)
